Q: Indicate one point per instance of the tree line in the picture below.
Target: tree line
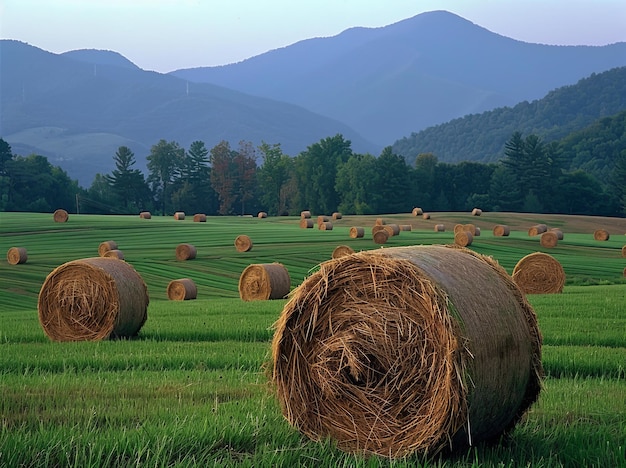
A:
(328, 176)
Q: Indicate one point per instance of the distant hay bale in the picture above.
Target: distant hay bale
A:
(263, 281)
(262, 214)
(306, 214)
(199, 218)
(392, 229)
(326, 226)
(60, 216)
(417, 212)
(601, 235)
(549, 239)
(406, 350)
(179, 215)
(243, 243)
(477, 212)
(336, 215)
(342, 250)
(377, 227)
(537, 229)
(501, 230)
(105, 246)
(145, 215)
(92, 299)
(470, 228)
(406, 227)
(17, 255)
(476, 231)
(381, 236)
(440, 228)
(426, 215)
(183, 289)
(357, 232)
(558, 232)
(322, 219)
(539, 273)
(306, 223)
(380, 222)
(624, 251)
(114, 253)
(463, 238)
(185, 252)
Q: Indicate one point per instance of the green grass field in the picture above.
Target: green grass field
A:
(192, 390)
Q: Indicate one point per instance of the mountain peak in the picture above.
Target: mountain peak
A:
(100, 57)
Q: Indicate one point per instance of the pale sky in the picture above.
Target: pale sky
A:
(165, 35)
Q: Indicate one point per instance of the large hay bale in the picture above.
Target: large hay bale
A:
(327, 226)
(500, 230)
(477, 212)
(92, 299)
(342, 250)
(60, 216)
(263, 281)
(183, 289)
(185, 252)
(114, 253)
(549, 239)
(463, 238)
(356, 232)
(306, 214)
(262, 214)
(336, 215)
(105, 246)
(601, 235)
(179, 215)
(306, 223)
(440, 228)
(392, 229)
(380, 236)
(243, 243)
(471, 228)
(558, 232)
(537, 229)
(458, 228)
(199, 218)
(145, 215)
(17, 255)
(539, 273)
(322, 219)
(400, 350)
(417, 211)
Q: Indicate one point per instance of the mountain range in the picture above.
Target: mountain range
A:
(372, 85)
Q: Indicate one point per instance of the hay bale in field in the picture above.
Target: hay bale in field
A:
(263, 281)
(539, 273)
(380, 236)
(185, 252)
(145, 215)
(357, 232)
(114, 253)
(342, 250)
(243, 243)
(392, 229)
(601, 235)
(440, 228)
(470, 228)
(476, 231)
(549, 239)
(624, 251)
(377, 227)
(336, 215)
(400, 350)
(183, 289)
(558, 232)
(477, 212)
(17, 255)
(199, 218)
(537, 229)
(105, 246)
(380, 222)
(60, 216)
(92, 299)
(306, 223)
(179, 215)
(458, 228)
(463, 238)
(426, 216)
(262, 214)
(417, 211)
(500, 230)
(322, 219)
(406, 227)
(306, 214)
(326, 226)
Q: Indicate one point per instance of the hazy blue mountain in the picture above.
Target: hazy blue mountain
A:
(389, 82)
(78, 108)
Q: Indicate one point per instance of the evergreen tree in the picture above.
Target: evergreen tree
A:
(128, 184)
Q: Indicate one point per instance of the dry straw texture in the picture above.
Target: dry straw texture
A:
(406, 349)
(549, 239)
(500, 230)
(357, 232)
(199, 218)
(459, 228)
(105, 246)
(145, 215)
(539, 273)
(470, 228)
(179, 215)
(243, 243)
(601, 235)
(262, 214)
(392, 229)
(60, 216)
(185, 252)
(558, 232)
(306, 223)
(537, 229)
(183, 289)
(17, 255)
(114, 253)
(477, 212)
(92, 299)
(337, 215)
(263, 281)
(417, 212)
(463, 238)
(380, 237)
(406, 227)
(305, 214)
(326, 226)
(440, 228)
(342, 250)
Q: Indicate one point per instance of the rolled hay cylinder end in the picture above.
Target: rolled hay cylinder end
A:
(326, 226)
(263, 281)
(601, 235)
(463, 238)
(501, 230)
(387, 352)
(185, 252)
(380, 237)
(306, 214)
(306, 223)
(440, 228)
(261, 215)
(336, 215)
(537, 229)
(179, 215)
(549, 239)
(356, 232)
(243, 243)
(322, 219)
(60, 216)
(105, 246)
(17, 255)
(114, 253)
(539, 273)
(183, 289)
(199, 218)
(92, 299)
(342, 250)
(145, 215)
(417, 211)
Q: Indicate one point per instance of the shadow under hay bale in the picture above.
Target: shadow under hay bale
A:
(263, 281)
(17, 255)
(342, 250)
(398, 350)
(463, 238)
(105, 246)
(179, 215)
(537, 229)
(539, 273)
(501, 230)
(92, 299)
(145, 215)
(60, 216)
(601, 235)
(185, 252)
(549, 239)
(183, 289)
(356, 232)
(243, 243)
(199, 218)
(114, 253)
(306, 223)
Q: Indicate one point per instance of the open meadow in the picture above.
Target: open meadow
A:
(192, 388)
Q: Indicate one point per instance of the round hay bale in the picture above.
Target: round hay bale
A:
(179, 215)
(381, 236)
(417, 212)
(476, 231)
(199, 218)
(377, 227)
(624, 251)
(262, 214)
(392, 229)
(398, 350)
(537, 229)
(263, 281)
(558, 232)
(306, 223)
(145, 215)
(114, 253)
(185, 252)
(406, 227)
(549, 239)
(60, 216)
(305, 214)
(601, 235)
(183, 289)
(357, 232)
(463, 238)
(426, 216)
(17, 255)
(539, 273)
(243, 243)
(380, 222)
(322, 219)
(477, 212)
(342, 250)
(337, 215)
(470, 228)
(440, 228)
(92, 299)
(327, 226)
(105, 246)
(459, 228)
(500, 230)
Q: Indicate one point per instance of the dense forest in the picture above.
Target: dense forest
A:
(583, 173)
